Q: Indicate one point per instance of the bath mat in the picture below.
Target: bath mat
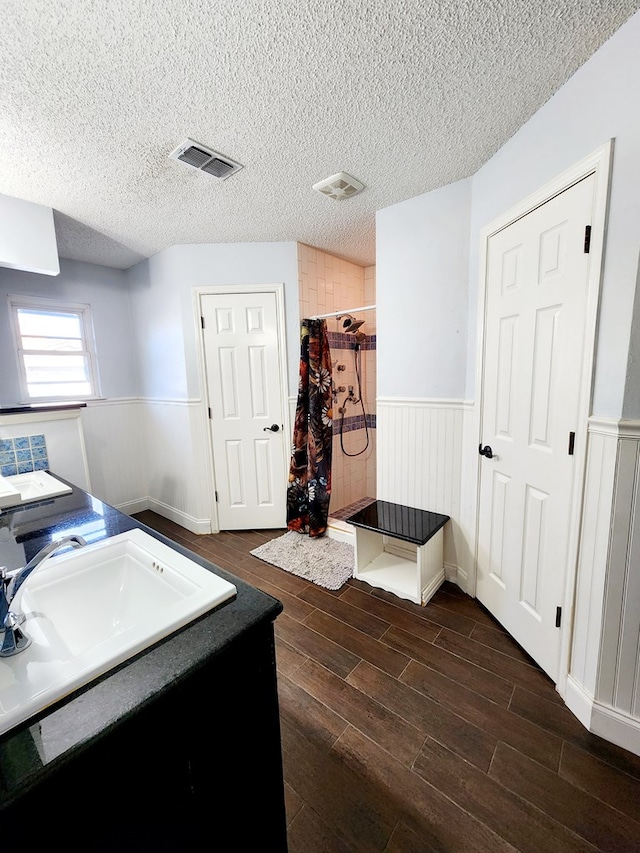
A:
(323, 561)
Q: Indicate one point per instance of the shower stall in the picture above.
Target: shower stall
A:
(353, 394)
(329, 288)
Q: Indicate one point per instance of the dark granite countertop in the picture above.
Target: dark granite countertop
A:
(36, 408)
(36, 748)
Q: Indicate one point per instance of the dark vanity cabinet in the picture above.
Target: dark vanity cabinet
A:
(180, 745)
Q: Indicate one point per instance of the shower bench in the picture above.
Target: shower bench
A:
(400, 549)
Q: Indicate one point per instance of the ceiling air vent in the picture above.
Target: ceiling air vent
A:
(339, 186)
(200, 157)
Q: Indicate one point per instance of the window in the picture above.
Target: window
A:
(56, 356)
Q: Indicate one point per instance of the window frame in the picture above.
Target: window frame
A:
(54, 306)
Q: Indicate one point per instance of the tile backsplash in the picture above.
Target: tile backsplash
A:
(23, 454)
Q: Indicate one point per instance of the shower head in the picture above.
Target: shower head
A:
(349, 323)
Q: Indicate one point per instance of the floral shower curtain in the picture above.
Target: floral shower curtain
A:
(309, 488)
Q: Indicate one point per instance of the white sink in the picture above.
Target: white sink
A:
(25, 488)
(90, 609)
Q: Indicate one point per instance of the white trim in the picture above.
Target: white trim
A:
(430, 589)
(277, 288)
(112, 401)
(134, 506)
(628, 428)
(123, 401)
(167, 401)
(431, 402)
(55, 306)
(455, 574)
(617, 427)
(39, 417)
(195, 525)
(598, 163)
(579, 701)
(601, 719)
(604, 426)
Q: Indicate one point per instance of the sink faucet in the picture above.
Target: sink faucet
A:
(15, 640)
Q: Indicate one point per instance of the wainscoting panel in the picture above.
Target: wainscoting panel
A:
(419, 460)
(602, 687)
(114, 434)
(179, 467)
(620, 660)
(593, 554)
(151, 454)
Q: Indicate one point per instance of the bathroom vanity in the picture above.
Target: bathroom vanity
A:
(179, 745)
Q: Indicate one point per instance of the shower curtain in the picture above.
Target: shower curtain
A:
(309, 488)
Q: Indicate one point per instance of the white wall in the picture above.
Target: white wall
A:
(103, 288)
(422, 257)
(27, 236)
(598, 103)
(178, 463)
(112, 427)
(161, 292)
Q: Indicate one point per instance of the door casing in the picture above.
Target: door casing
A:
(599, 164)
(276, 288)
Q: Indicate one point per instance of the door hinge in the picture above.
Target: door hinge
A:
(558, 616)
(209, 411)
(202, 322)
(216, 494)
(572, 442)
(587, 239)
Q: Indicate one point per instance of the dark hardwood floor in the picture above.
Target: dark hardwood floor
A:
(408, 729)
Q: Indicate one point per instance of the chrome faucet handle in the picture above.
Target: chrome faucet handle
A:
(14, 639)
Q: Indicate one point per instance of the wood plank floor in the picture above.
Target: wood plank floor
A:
(408, 729)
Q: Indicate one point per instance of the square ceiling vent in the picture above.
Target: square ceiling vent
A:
(198, 156)
(339, 186)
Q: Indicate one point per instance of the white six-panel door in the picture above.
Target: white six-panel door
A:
(536, 299)
(245, 397)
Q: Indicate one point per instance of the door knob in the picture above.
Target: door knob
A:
(485, 451)
(272, 428)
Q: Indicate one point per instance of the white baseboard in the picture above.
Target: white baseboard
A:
(431, 588)
(603, 720)
(131, 507)
(195, 525)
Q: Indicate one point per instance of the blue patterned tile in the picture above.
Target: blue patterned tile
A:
(6, 444)
(22, 442)
(25, 467)
(23, 455)
(7, 458)
(39, 452)
(36, 440)
(40, 464)
(8, 470)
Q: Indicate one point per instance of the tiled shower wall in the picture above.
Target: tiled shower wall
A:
(328, 284)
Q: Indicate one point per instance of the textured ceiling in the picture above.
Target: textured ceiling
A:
(405, 96)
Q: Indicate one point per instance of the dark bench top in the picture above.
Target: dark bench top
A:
(400, 522)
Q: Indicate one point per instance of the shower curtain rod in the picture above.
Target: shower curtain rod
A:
(343, 311)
